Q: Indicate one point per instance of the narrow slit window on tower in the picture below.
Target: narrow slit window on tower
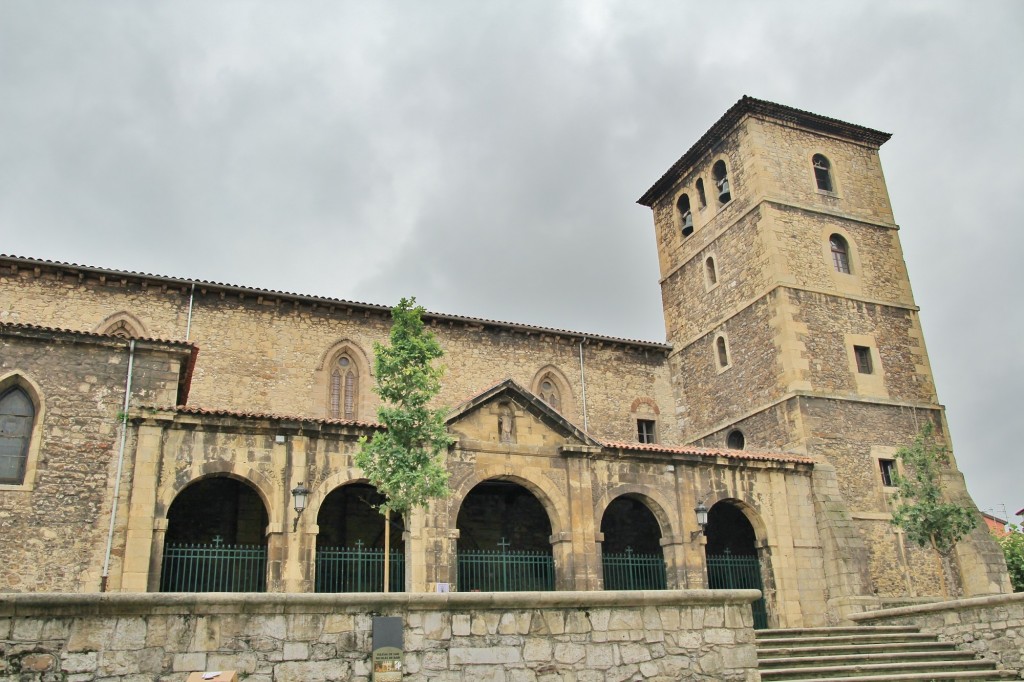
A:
(702, 198)
(712, 273)
(863, 357)
(685, 214)
(645, 431)
(822, 172)
(840, 254)
(721, 176)
(722, 351)
(888, 469)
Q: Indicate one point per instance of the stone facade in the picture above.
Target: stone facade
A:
(263, 391)
(527, 637)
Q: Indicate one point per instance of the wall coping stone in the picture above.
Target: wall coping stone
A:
(112, 604)
(938, 607)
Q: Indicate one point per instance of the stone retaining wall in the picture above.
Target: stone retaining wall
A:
(992, 627)
(482, 637)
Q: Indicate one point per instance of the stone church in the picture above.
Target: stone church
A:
(165, 434)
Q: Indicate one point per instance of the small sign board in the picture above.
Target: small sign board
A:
(387, 649)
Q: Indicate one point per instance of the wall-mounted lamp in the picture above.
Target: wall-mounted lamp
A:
(702, 520)
(301, 495)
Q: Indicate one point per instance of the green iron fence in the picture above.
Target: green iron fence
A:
(358, 569)
(629, 571)
(729, 572)
(487, 570)
(214, 568)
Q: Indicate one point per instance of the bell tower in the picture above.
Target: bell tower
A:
(793, 324)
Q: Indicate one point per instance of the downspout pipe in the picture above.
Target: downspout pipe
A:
(120, 466)
(583, 383)
(188, 324)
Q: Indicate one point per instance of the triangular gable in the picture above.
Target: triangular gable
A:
(511, 390)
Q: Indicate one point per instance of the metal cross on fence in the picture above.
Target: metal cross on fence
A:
(217, 541)
(504, 544)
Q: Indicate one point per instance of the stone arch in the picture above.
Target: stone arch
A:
(34, 392)
(655, 502)
(549, 496)
(123, 324)
(322, 376)
(321, 490)
(751, 514)
(649, 402)
(260, 483)
(567, 403)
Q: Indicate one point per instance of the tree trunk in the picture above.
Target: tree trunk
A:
(387, 550)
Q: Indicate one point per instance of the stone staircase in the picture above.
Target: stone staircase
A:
(866, 654)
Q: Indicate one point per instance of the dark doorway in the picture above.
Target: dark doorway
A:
(631, 554)
(732, 557)
(350, 544)
(216, 539)
(504, 540)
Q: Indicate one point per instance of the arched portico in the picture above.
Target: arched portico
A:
(632, 557)
(350, 542)
(504, 539)
(733, 560)
(215, 539)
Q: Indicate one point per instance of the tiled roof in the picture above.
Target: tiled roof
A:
(751, 105)
(712, 452)
(22, 261)
(184, 409)
(95, 335)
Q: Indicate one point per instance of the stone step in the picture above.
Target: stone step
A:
(819, 640)
(765, 652)
(946, 656)
(976, 675)
(829, 632)
(892, 668)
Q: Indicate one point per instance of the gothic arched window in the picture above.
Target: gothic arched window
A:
(549, 393)
(344, 389)
(17, 415)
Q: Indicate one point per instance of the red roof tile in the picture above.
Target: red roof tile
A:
(712, 452)
(97, 335)
(214, 412)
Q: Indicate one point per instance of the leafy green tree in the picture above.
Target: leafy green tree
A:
(922, 509)
(1013, 547)
(405, 461)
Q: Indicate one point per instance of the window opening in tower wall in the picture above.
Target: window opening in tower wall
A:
(645, 431)
(863, 355)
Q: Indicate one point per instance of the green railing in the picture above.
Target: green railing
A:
(214, 568)
(358, 569)
(486, 570)
(729, 572)
(629, 571)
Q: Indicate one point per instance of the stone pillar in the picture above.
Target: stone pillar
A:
(561, 549)
(673, 548)
(585, 567)
(136, 574)
(292, 546)
(156, 559)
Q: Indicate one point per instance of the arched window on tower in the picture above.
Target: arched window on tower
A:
(710, 271)
(721, 176)
(722, 351)
(685, 214)
(17, 415)
(344, 389)
(822, 172)
(840, 254)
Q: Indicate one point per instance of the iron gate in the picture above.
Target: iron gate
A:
(630, 571)
(739, 572)
(214, 568)
(498, 570)
(358, 569)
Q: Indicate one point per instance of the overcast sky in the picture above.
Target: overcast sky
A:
(486, 157)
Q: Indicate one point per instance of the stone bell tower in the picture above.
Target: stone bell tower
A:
(793, 325)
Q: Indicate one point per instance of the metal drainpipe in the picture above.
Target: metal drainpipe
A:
(191, 298)
(583, 381)
(120, 466)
